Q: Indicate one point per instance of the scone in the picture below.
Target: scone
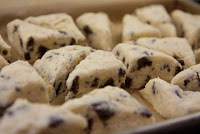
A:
(27, 118)
(188, 79)
(197, 55)
(169, 100)
(179, 48)
(157, 16)
(3, 62)
(61, 22)
(99, 69)
(32, 41)
(144, 64)
(188, 26)
(20, 80)
(56, 65)
(110, 110)
(133, 29)
(96, 27)
(4, 49)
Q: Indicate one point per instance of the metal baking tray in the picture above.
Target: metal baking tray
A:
(12, 9)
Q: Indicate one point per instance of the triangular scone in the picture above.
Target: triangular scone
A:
(28, 118)
(56, 65)
(3, 62)
(32, 41)
(188, 26)
(4, 49)
(157, 16)
(197, 55)
(20, 80)
(188, 79)
(133, 29)
(144, 64)
(110, 110)
(179, 48)
(96, 27)
(61, 22)
(99, 69)
(169, 100)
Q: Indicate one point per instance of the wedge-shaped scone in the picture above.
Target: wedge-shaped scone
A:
(157, 16)
(32, 41)
(20, 80)
(27, 118)
(99, 69)
(56, 65)
(144, 64)
(188, 79)
(110, 110)
(61, 22)
(3, 62)
(169, 100)
(188, 26)
(197, 55)
(133, 29)
(96, 27)
(179, 48)
(4, 49)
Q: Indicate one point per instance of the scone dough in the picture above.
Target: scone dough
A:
(4, 49)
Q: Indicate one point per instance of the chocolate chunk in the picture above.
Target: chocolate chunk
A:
(73, 41)
(186, 82)
(17, 89)
(128, 82)
(198, 78)
(154, 88)
(62, 44)
(144, 112)
(58, 88)
(177, 70)
(123, 60)
(42, 50)
(5, 77)
(95, 82)
(104, 109)
(30, 44)
(21, 42)
(63, 32)
(148, 22)
(27, 56)
(153, 40)
(118, 53)
(110, 82)
(145, 52)
(143, 62)
(49, 57)
(148, 78)
(121, 72)
(75, 85)
(5, 52)
(87, 30)
(15, 29)
(56, 53)
(177, 93)
(127, 65)
(55, 121)
(90, 124)
(179, 60)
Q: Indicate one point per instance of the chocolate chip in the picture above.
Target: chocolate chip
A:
(73, 41)
(42, 50)
(179, 60)
(118, 53)
(154, 88)
(127, 65)
(55, 121)
(148, 22)
(21, 42)
(17, 89)
(198, 78)
(27, 56)
(56, 53)
(58, 88)
(153, 40)
(104, 109)
(30, 44)
(186, 82)
(15, 29)
(87, 30)
(62, 44)
(90, 124)
(123, 60)
(95, 82)
(49, 57)
(145, 52)
(5, 52)
(63, 32)
(148, 78)
(5, 77)
(121, 72)
(143, 62)
(144, 112)
(110, 82)
(128, 82)
(177, 70)
(75, 85)
(177, 93)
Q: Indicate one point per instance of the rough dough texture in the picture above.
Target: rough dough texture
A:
(3, 62)
(96, 27)
(133, 29)
(188, 26)
(32, 41)
(169, 100)
(20, 80)
(26, 118)
(197, 55)
(56, 65)
(4, 49)
(157, 16)
(188, 79)
(60, 22)
(110, 110)
(144, 64)
(178, 48)
(99, 69)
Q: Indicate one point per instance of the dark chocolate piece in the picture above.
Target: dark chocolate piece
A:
(128, 82)
(110, 82)
(55, 121)
(177, 93)
(27, 56)
(75, 85)
(177, 70)
(73, 41)
(186, 82)
(121, 72)
(87, 30)
(148, 78)
(30, 44)
(95, 82)
(5, 52)
(17, 89)
(15, 29)
(144, 112)
(154, 88)
(143, 62)
(58, 88)
(42, 50)
(63, 32)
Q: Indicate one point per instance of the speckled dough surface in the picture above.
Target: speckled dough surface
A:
(157, 16)
(96, 27)
(3, 62)
(60, 22)
(188, 26)
(26, 118)
(56, 65)
(20, 80)
(178, 48)
(169, 100)
(144, 64)
(99, 69)
(188, 79)
(32, 41)
(110, 110)
(4, 49)
(133, 29)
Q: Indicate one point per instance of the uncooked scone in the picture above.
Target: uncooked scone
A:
(4, 49)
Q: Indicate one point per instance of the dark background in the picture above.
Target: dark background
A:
(197, 1)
